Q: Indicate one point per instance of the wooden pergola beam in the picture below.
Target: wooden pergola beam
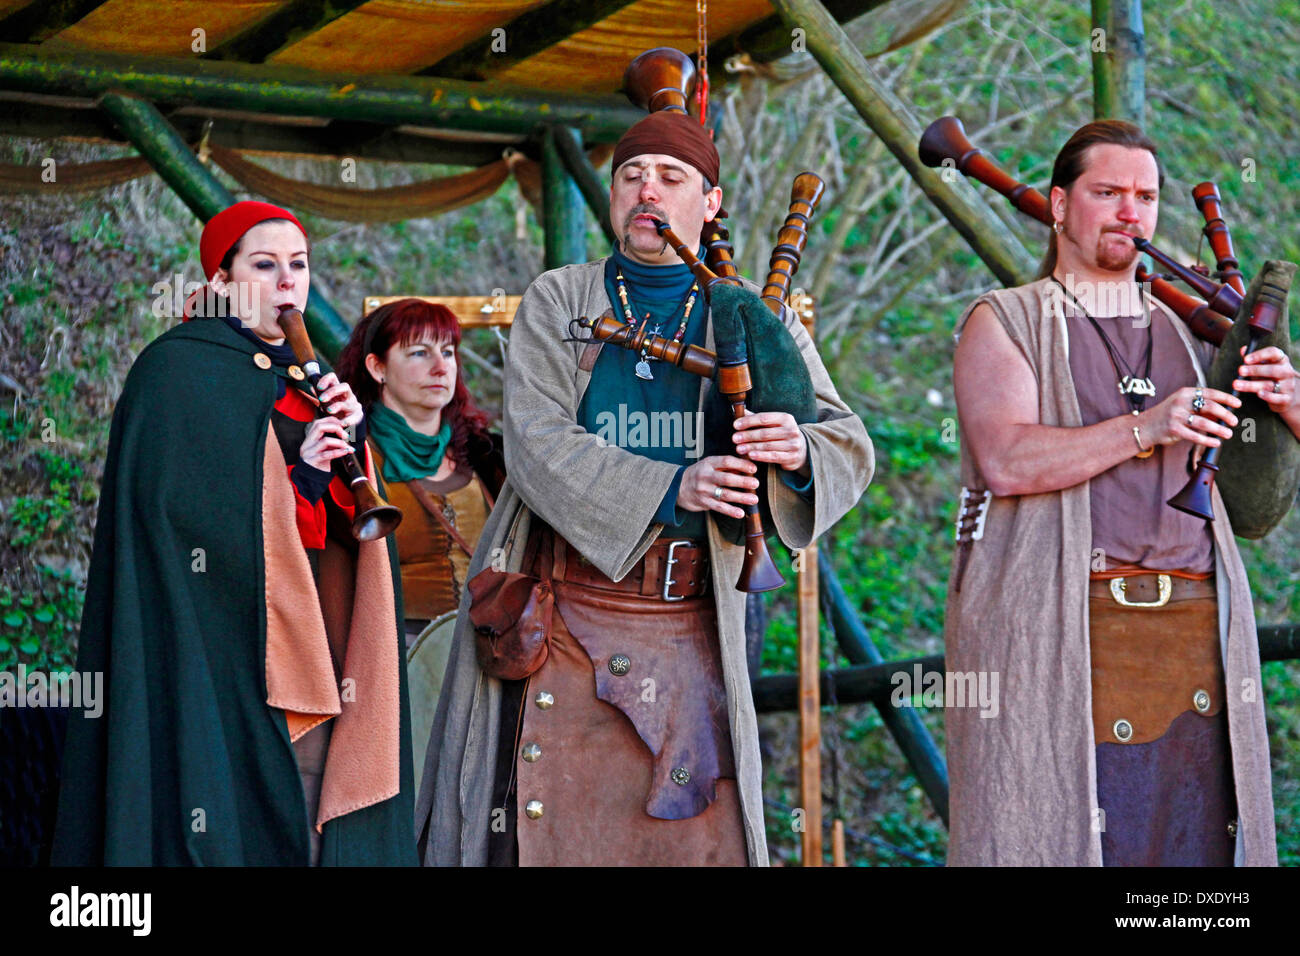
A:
(41, 19)
(859, 684)
(771, 39)
(526, 35)
(283, 26)
(911, 735)
(890, 119)
(267, 88)
(41, 120)
(1119, 61)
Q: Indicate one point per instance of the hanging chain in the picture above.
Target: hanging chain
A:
(702, 59)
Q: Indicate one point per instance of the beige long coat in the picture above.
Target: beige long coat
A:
(1023, 784)
(603, 500)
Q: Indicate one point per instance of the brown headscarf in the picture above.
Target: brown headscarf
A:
(671, 134)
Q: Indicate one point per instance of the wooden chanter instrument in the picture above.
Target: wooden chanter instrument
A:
(758, 573)
(374, 517)
(1216, 232)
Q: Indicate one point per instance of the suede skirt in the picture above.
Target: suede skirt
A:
(1164, 765)
(621, 744)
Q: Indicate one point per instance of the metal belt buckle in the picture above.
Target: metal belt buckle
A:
(1118, 587)
(668, 571)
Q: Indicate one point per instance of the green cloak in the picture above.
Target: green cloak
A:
(187, 763)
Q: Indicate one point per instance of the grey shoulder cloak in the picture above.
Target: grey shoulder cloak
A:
(603, 499)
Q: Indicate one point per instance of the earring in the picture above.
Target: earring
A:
(1056, 227)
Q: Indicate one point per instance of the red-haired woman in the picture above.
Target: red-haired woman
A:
(432, 446)
(440, 464)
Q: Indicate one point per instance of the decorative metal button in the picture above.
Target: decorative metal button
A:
(1123, 730)
(681, 776)
(544, 699)
(1201, 701)
(533, 808)
(296, 373)
(619, 665)
(1232, 828)
(262, 360)
(532, 753)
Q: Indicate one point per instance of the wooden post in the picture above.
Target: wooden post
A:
(150, 133)
(890, 119)
(1118, 46)
(837, 844)
(562, 221)
(810, 727)
(569, 143)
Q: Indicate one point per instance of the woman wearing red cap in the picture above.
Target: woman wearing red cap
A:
(254, 708)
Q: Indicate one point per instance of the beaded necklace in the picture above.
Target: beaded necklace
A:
(643, 366)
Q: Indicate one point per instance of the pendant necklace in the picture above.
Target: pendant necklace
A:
(643, 366)
(1135, 390)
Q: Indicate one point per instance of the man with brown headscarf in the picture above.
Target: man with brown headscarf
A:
(635, 740)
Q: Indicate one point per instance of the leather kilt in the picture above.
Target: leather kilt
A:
(617, 751)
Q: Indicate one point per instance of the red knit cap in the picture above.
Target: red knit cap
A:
(670, 134)
(228, 226)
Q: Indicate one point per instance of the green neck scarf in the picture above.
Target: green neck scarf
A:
(408, 455)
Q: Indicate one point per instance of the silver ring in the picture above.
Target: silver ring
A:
(717, 492)
(1277, 386)
(1198, 402)
(1189, 420)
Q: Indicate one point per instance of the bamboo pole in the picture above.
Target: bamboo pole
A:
(584, 174)
(837, 844)
(562, 220)
(150, 133)
(267, 88)
(890, 119)
(810, 728)
(1118, 61)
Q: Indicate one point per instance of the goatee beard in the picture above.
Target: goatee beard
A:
(1115, 262)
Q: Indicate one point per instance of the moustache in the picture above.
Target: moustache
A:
(645, 209)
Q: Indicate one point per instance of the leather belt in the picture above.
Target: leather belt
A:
(672, 570)
(1150, 589)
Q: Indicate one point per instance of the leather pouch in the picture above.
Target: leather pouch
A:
(511, 616)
